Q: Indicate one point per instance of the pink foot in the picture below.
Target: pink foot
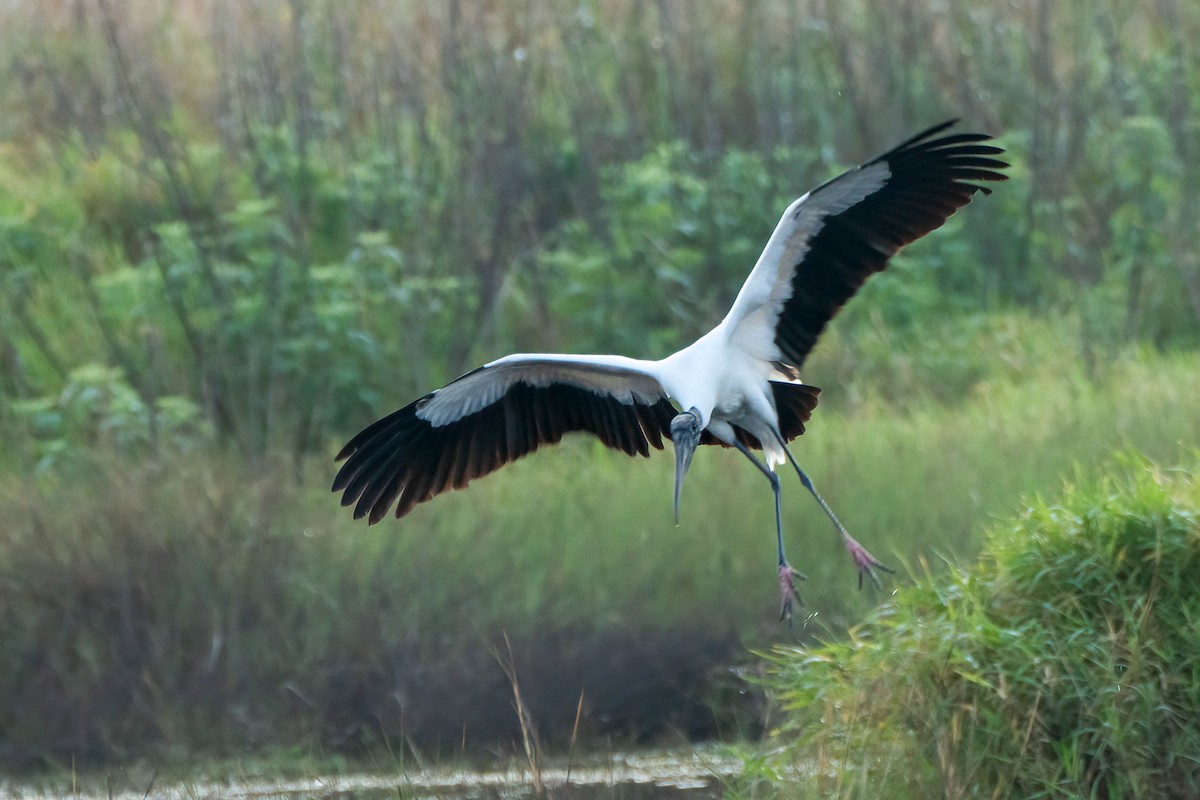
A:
(866, 563)
(787, 590)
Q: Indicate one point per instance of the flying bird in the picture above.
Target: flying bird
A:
(738, 385)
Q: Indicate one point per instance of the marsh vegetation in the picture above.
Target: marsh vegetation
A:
(231, 234)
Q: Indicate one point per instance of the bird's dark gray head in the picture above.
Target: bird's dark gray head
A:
(685, 433)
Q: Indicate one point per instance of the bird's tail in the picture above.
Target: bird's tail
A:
(794, 402)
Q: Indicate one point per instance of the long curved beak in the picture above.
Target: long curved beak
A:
(684, 448)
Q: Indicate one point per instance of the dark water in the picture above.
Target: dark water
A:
(660, 775)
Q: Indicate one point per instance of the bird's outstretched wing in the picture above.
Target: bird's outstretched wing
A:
(491, 417)
(833, 238)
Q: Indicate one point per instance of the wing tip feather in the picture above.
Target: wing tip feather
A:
(931, 176)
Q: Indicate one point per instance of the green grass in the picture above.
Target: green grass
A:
(198, 600)
(1062, 664)
(217, 263)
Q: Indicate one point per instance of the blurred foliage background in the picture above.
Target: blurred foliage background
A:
(232, 233)
(267, 222)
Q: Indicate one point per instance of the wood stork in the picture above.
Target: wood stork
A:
(737, 386)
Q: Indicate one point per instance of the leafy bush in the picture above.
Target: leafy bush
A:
(1065, 664)
(679, 233)
(390, 198)
(99, 410)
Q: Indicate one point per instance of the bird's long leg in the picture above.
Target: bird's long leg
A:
(787, 575)
(865, 562)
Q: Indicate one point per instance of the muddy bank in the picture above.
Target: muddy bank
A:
(688, 773)
(636, 687)
(608, 689)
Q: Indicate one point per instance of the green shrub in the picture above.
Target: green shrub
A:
(1066, 663)
(98, 410)
(392, 198)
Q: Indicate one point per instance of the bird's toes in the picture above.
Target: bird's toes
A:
(867, 564)
(787, 591)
